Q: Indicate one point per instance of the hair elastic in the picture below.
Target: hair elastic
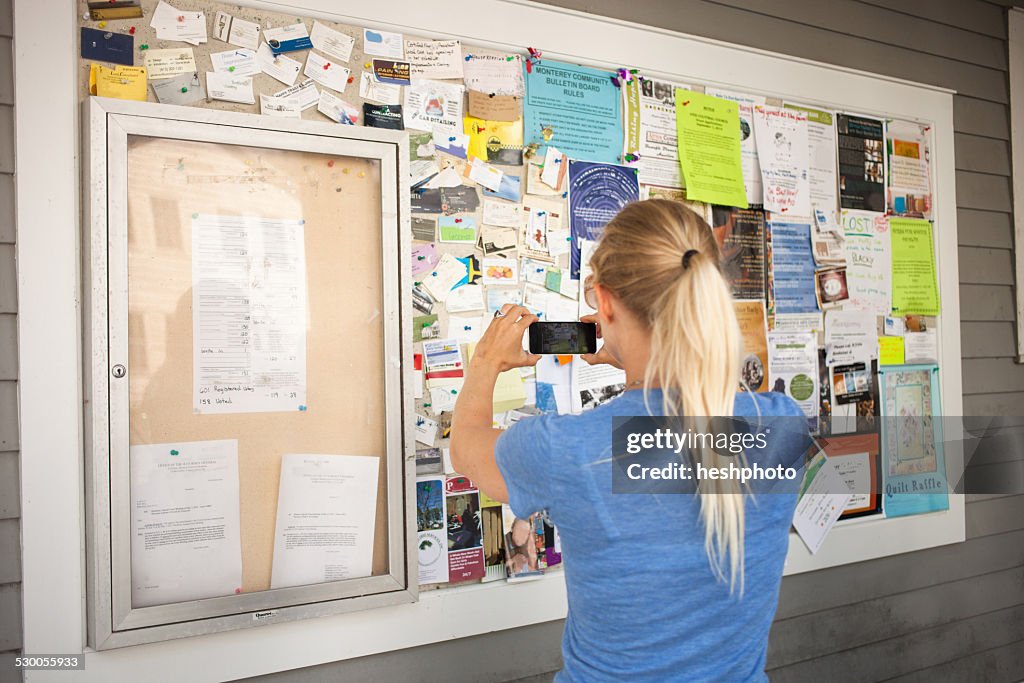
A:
(687, 256)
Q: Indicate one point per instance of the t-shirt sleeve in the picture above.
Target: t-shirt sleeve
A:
(529, 466)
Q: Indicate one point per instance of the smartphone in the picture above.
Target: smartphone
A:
(563, 338)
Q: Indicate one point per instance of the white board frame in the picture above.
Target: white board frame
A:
(50, 364)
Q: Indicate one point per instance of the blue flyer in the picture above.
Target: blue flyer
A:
(793, 268)
(596, 193)
(581, 106)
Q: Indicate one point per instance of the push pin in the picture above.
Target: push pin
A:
(184, 89)
(102, 24)
(366, 65)
(330, 163)
(469, 57)
(131, 31)
(231, 69)
(351, 78)
(144, 46)
(181, 18)
(108, 36)
(421, 258)
(327, 66)
(467, 328)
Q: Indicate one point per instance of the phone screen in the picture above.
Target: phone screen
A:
(563, 337)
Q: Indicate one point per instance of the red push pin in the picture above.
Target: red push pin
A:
(351, 78)
(330, 164)
(181, 18)
(327, 66)
(131, 31)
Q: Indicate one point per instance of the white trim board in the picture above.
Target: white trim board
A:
(51, 367)
(1015, 48)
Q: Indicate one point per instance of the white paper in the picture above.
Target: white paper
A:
(869, 261)
(229, 88)
(248, 314)
(782, 152)
(222, 26)
(432, 103)
(426, 430)
(502, 214)
(442, 399)
(244, 33)
(332, 43)
(748, 144)
(442, 278)
(326, 512)
(850, 337)
(240, 62)
(432, 533)
(555, 168)
(172, 23)
(498, 74)
(797, 322)
(465, 298)
(337, 109)
(451, 141)
(325, 72)
(466, 329)
(382, 43)
(285, 107)
(594, 385)
(280, 67)
(306, 92)
(659, 154)
(921, 347)
(385, 93)
(185, 538)
(434, 58)
(820, 505)
(821, 139)
(855, 470)
(793, 369)
(484, 174)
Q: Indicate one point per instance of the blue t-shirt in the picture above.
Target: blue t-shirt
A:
(644, 604)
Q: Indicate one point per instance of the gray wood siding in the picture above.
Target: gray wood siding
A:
(10, 508)
(953, 613)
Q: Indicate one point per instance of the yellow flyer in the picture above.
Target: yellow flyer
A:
(496, 142)
(708, 137)
(121, 82)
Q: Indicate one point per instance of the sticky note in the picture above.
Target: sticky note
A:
(890, 350)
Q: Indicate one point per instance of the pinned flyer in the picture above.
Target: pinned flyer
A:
(822, 499)
(482, 173)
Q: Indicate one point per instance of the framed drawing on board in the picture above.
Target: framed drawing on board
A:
(248, 455)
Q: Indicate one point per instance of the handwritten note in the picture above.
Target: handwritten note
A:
(167, 63)
(434, 58)
(783, 152)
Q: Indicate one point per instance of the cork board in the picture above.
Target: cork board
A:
(340, 200)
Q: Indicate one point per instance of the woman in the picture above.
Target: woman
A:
(689, 595)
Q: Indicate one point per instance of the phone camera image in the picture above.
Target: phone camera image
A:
(563, 338)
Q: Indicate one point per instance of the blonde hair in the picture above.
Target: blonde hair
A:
(661, 260)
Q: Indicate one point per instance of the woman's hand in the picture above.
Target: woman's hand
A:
(501, 346)
(602, 357)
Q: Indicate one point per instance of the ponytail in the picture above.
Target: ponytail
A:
(661, 260)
